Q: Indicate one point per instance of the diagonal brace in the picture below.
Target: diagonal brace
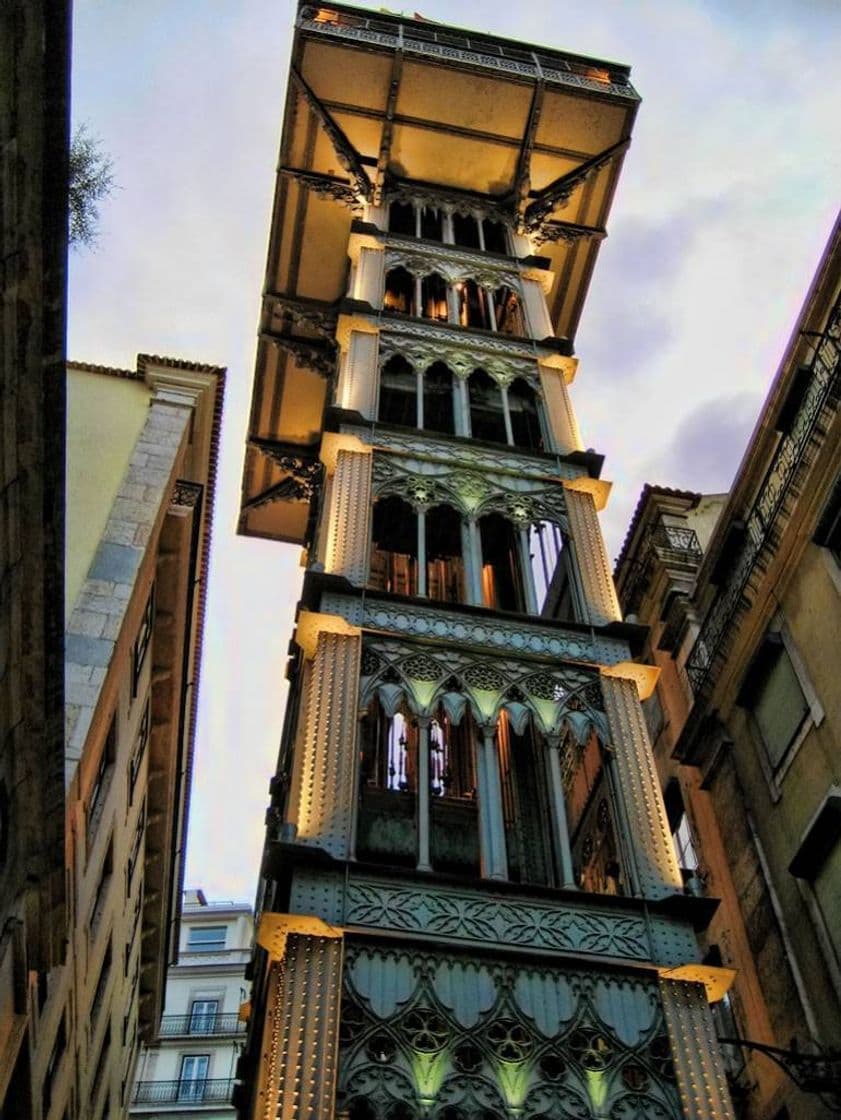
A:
(345, 152)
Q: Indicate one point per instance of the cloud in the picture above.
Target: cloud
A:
(708, 443)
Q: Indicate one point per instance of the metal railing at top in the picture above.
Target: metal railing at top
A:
(453, 45)
(200, 1024)
(675, 542)
(824, 383)
(186, 1092)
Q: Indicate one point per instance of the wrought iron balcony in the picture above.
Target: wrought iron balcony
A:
(186, 1092)
(172, 1025)
(672, 544)
(820, 391)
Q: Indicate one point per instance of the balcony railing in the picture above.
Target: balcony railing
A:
(202, 1091)
(172, 1025)
(675, 544)
(774, 491)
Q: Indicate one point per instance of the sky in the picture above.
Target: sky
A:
(726, 200)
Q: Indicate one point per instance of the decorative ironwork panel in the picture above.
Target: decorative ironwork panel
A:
(528, 639)
(407, 37)
(557, 698)
(429, 1035)
(470, 491)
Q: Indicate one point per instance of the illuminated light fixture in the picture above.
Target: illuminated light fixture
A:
(325, 15)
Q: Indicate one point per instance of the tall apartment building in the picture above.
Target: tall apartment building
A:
(469, 903)
(742, 593)
(141, 452)
(190, 1066)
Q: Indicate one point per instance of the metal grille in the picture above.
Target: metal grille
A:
(187, 1091)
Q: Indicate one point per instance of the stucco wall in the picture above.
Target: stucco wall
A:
(105, 416)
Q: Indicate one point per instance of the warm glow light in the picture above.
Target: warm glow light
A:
(429, 1070)
(325, 15)
(596, 1088)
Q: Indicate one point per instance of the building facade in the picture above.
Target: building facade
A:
(741, 594)
(141, 451)
(189, 1069)
(34, 135)
(470, 905)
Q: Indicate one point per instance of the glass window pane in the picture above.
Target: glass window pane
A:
(780, 707)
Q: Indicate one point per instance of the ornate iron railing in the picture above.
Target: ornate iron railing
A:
(674, 542)
(201, 1024)
(445, 43)
(186, 1092)
(823, 385)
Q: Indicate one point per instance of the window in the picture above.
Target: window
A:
(682, 837)
(525, 416)
(101, 779)
(102, 889)
(431, 223)
(398, 393)
(101, 984)
(487, 416)
(192, 1078)
(206, 939)
(203, 1016)
(135, 925)
(508, 312)
(141, 642)
(726, 1023)
(502, 574)
(401, 218)
(474, 305)
(139, 751)
(57, 1053)
(466, 231)
(136, 848)
(773, 695)
(101, 1064)
(394, 565)
(434, 298)
(399, 295)
(494, 235)
(438, 400)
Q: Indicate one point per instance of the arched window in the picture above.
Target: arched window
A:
(434, 298)
(444, 563)
(502, 574)
(472, 305)
(431, 223)
(524, 408)
(401, 218)
(454, 817)
(466, 231)
(398, 393)
(508, 312)
(592, 828)
(438, 399)
(487, 416)
(394, 549)
(399, 295)
(495, 237)
(524, 803)
(385, 824)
